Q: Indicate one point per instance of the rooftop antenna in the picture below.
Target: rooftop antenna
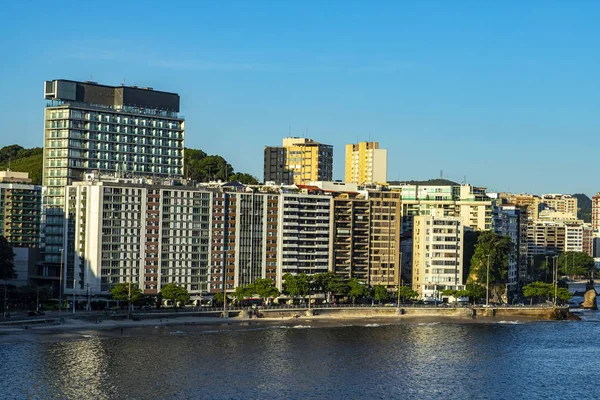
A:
(441, 174)
(465, 180)
(123, 84)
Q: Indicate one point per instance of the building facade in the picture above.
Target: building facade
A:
(563, 203)
(123, 231)
(366, 163)
(437, 255)
(89, 127)
(596, 213)
(298, 161)
(304, 241)
(20, 210)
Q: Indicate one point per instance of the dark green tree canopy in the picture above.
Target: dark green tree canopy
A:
(498, 248)
(296, 285)
(380, 293)
(121, 292)
(7, 258)
(176, 293)
(357, 289)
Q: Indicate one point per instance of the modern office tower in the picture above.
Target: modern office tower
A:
(298, 161)
(366, 163)
(508, 222)
(366, 236)
(128, 230)
(107, 129)
(243, 236)
(304, 240)
(20, 209)
(564, 203)
(470, 203)
(437, 255)
(596, 213)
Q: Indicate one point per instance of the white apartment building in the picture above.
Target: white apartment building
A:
(304, 241)
(437, 255)
(130, 231)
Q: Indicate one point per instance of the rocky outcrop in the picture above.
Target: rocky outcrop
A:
(589, 300)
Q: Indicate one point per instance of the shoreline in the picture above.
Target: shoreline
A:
(74, 329)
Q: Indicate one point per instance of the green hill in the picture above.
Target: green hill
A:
(429, 182)
(584, 207)
(17, 158)
(198, 165)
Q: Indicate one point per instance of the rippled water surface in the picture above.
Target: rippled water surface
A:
(536, 360)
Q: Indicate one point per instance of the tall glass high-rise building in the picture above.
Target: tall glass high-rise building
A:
(88, 127)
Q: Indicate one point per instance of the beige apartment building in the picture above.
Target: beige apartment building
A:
(366, 237)
(563, 203)
(469, 203)
(298, 161)
(366, 163)
(596, 213)
(437, 255)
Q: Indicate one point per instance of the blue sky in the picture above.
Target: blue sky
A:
(504, 93)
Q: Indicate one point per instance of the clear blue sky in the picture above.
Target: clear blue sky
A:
(506, 93)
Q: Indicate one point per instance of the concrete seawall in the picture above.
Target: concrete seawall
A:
(460, 312)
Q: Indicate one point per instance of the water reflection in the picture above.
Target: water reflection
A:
(405, 361)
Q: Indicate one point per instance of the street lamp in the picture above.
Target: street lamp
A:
(487, 282)
(129, 290)
(555, 275)
(60, 283)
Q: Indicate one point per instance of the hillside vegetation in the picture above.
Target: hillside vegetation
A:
(198, 165)
(584, 207)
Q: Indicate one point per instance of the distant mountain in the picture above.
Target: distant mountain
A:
(198, 165)
(584, 205)
(430, 182)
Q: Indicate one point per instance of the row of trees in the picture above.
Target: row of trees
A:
(177, 294)
(545, 291)
(327, 283)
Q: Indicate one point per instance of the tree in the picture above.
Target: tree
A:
(244, 178)
(356, 289)
(176, 293)
(264, 288)
(240, 292)
(406, 293)
(563, 294)
(449, 292)
(296, 285)
(474, 292)
(380, 293)
(538, 290)
(219, 297)
(499, 249)
(576, 263)
(121, 292)
(7, 258)
(329, 283)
